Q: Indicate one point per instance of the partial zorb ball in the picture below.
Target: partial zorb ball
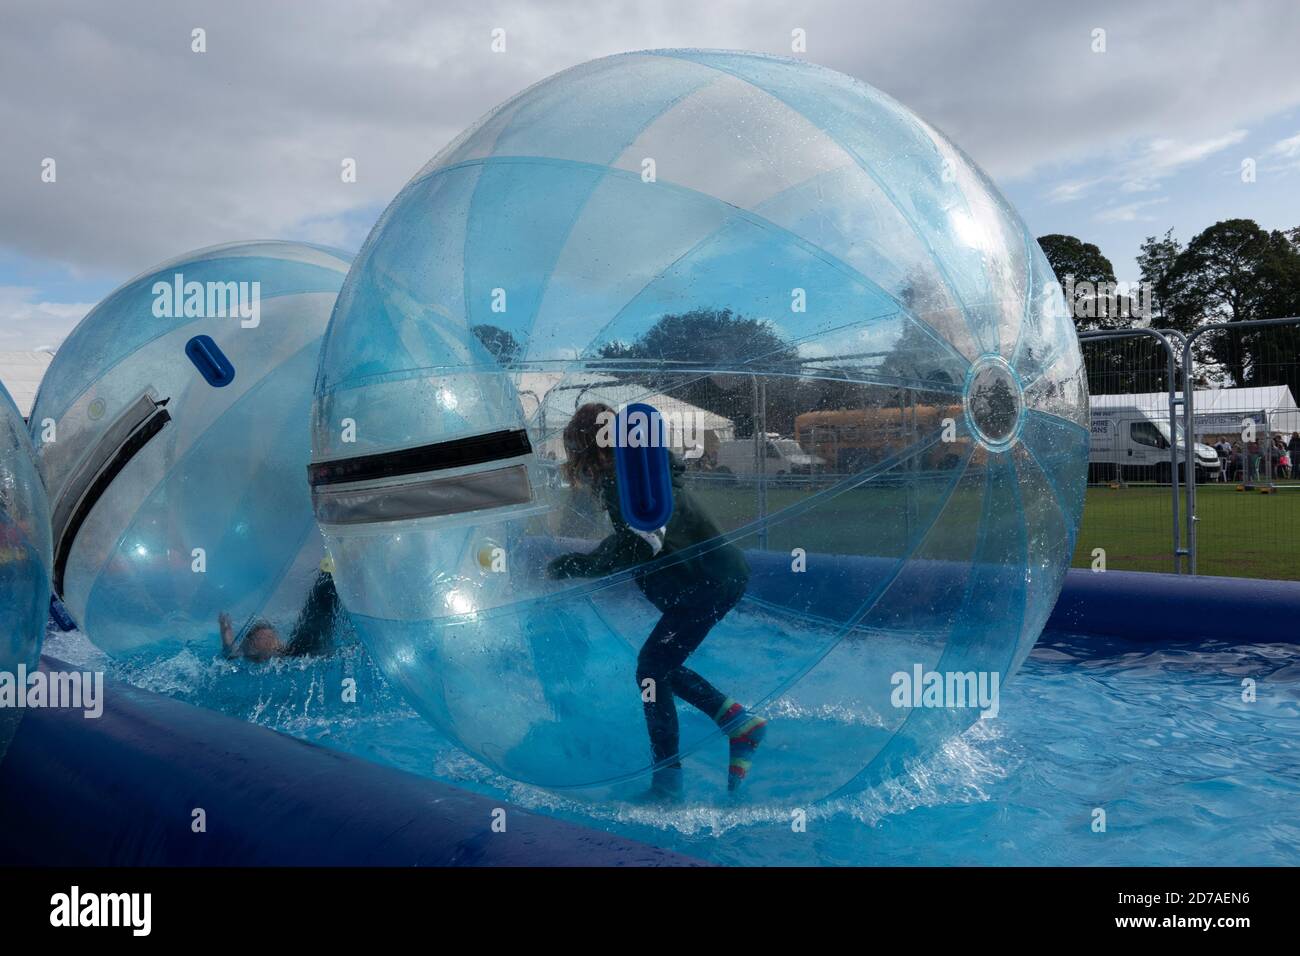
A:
(172, 432)
(25, 555)
(865, 373)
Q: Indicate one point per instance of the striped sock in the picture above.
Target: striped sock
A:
(744, 732)
(728, 713)
(744, 740)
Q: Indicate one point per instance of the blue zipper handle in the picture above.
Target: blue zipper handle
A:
(60, 616)
(643, 468)
(211, 362)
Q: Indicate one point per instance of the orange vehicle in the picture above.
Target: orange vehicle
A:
(852, 439)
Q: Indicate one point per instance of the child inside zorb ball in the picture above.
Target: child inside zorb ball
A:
(892, 411)
(693, 595)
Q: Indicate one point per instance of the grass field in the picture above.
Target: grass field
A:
(874, 520)
(1240, 534)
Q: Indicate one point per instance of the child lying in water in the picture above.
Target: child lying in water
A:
(313, 632)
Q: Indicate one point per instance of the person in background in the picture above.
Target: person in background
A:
(1254, 458)
(692, 593)
(1224, 451)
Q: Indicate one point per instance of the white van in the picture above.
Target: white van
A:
(784, 456)
(1134, 443)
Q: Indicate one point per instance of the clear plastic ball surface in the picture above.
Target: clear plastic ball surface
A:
(25, 556)
(866, 375)
(172, 432)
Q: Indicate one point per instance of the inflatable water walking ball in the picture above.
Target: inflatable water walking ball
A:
(25, 556)
(858, 357)
(172, 432)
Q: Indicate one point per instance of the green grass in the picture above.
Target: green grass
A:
(1240, 534)
(855, 522)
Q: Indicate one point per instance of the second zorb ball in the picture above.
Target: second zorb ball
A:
(870, 388)
(172, 434)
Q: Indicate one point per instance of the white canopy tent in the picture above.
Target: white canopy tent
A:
(550, 403)
(1219, 411)
(21, 373)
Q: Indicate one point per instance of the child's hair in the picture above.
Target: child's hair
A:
(587, 463)
(252, 627)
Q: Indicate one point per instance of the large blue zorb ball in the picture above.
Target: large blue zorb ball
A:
(172, 431)
(863, 366)
(25, 555)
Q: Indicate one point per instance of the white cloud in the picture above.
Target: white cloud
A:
(161, 150)
(1070, 191)
(26, 323)
(1167, 155)
(1288, 148)
(1129, 212)
(1283, 156)
(1149, 163)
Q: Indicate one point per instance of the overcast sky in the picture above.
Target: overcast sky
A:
(160, 150)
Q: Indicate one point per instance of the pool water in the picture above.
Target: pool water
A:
(1158, 737)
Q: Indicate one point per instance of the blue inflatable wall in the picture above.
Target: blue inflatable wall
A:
(121, 790)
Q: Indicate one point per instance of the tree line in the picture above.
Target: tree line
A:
(1233, 271)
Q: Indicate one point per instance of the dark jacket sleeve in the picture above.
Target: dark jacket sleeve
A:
(620, 550)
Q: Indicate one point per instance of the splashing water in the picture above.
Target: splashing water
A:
(1160, 738)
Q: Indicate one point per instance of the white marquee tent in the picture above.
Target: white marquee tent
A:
(550, 404)
(1219, 410)
(21, 373)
